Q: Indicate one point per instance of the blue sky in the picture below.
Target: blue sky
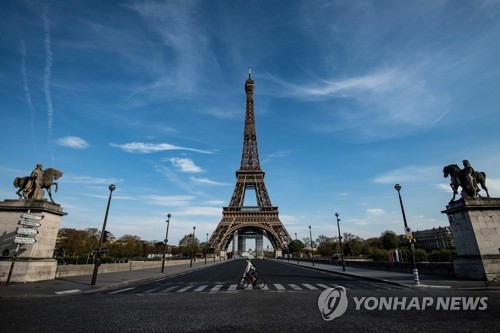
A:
(351, 98)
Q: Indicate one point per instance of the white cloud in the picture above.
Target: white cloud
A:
(279, 154)
(408, 174)
(215, 202)
(146, 148)
(206, 181)
(375, 211)
(170, 201)
(72, 142)
(185, 165)
(199, 211)
(86, 180)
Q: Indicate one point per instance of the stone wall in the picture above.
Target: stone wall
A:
(73, 270)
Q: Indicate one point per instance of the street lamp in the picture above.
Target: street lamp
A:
(101, 240)
(192, 249)
(412, 246)
(340, 239)
(206, 250)
(166, 241)
(312, 254)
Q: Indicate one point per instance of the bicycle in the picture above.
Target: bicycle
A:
(246, 279)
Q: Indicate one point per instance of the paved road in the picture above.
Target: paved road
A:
(279, 277)
(150, 308)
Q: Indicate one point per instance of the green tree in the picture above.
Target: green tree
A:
(186, 245)
(326, 246)
(380, 255)
(389, 240)
(296, 246)
(353, 247)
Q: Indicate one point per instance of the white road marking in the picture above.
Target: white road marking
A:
(310, 287)
(216, 288)
(184, 289)
(279, 287)
(200, 288)
(71, 291)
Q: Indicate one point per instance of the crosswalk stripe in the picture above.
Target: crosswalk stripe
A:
(295, 287)
(200, 288)
(150, 290)
(184, 289)
(223, 286)
(323, 286)
(279, 287)
(310, 287)
(169, 289)
(121, 290)
(216, 288)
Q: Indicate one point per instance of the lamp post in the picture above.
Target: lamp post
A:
(340, 239)
(206, 250)
(165, 247)
(312, 249)
(397, 187)
(101, 240)
(192, 249)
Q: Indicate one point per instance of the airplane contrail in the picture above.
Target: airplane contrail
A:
(48, 68)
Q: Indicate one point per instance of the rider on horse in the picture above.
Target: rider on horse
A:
(34, 188)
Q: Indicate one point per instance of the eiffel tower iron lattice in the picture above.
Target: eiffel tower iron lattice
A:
(238, 219)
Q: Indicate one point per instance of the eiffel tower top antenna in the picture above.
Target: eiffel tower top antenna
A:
(249, 72)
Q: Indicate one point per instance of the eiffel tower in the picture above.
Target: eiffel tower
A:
(239, 221)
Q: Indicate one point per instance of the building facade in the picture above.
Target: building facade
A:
(435, 238)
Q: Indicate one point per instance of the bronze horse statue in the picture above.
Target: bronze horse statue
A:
(49, 175)
(458, 179)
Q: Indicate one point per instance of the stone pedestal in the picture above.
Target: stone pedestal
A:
(475, 224)
(34, 261)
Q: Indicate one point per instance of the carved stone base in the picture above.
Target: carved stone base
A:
(34, 261)
(475, 224)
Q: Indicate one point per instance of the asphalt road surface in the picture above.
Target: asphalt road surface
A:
(279, 277)
(154, 307)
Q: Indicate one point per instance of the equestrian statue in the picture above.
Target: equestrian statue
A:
(466, 178)
(31, 187)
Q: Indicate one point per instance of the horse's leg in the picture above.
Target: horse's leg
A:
(49, 192)
(483, 185)
(19, 193)
(57, 188)
(455, 192)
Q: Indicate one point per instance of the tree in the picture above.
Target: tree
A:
(295, 246)
(353, 247)
(389, 240)
(186, 246)
(326, 246)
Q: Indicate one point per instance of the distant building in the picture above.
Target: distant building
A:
(435, 238)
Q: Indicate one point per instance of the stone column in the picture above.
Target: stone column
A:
(475, 224)
(34, 261)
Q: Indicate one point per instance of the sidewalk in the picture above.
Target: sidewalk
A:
(405, 279)
(82, 283)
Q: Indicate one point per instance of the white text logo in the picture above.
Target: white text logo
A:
(333, 303)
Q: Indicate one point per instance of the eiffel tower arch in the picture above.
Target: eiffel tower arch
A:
(262, 219)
